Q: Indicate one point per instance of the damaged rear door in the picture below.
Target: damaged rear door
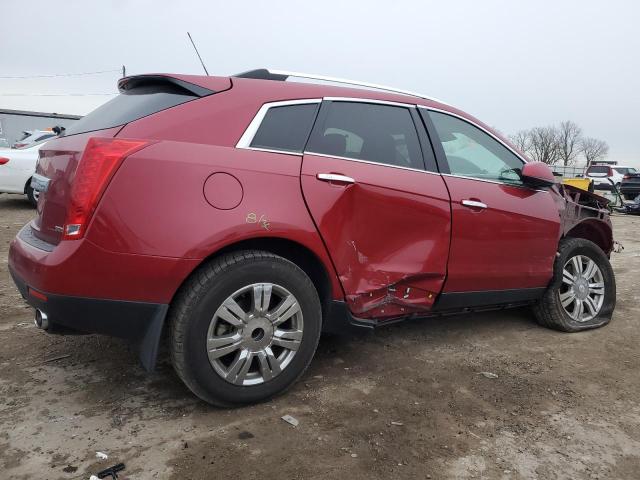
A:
(370, 182)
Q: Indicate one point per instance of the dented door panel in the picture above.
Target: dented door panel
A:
(387, 233)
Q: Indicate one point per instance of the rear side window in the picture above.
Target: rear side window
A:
(285, 128)
(366, 131)
(44, 137)
(131, 105)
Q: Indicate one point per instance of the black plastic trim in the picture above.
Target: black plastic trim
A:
(138, 322)
(428, 154)
(261, 74)
(339, 320)
(463, 300)
(441, 157)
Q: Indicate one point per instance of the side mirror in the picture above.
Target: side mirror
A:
(538, 174)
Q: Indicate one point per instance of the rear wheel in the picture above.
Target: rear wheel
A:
(582, 294)
(244, 328)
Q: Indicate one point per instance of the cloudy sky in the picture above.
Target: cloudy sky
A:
(514, 64)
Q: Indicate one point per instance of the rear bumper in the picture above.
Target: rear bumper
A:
(85, 289)
(138, 322)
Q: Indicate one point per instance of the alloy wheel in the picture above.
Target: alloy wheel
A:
(255, 334)
(582, 291)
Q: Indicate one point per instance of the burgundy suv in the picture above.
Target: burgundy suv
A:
(242, 216)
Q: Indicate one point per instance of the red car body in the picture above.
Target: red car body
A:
(400, 242)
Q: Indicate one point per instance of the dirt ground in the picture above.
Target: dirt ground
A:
(407, 401)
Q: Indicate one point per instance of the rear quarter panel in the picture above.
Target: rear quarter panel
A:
(155, 204)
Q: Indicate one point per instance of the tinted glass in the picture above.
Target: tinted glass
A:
(625, 170)
(599, 169)
(365, 131)
(471, 152)
(129, 106)
(44, 137)
(286, 128)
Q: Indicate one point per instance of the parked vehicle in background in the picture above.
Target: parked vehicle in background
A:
(630, 185)
(17, 167)
(4, 143)
(31, 137)
(605, 175)
(242, 216)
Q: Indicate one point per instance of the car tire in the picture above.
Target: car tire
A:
(31, 196)
(200, 329)
(557, 309)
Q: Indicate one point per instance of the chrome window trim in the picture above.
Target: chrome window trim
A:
(351, 159)
(369, 100)
(273, 150)
(498, 182)
(252, 128)
(477, 126)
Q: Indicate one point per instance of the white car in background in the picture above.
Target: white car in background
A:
(17, 166)
(31, 137)
(606, 175)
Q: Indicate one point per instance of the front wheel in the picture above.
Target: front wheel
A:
(244, 328)
(582, 294)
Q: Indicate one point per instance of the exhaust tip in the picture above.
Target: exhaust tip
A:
(41, 320)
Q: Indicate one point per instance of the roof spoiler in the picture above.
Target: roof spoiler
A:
(162, 81)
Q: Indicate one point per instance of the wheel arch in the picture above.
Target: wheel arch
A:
(595, 231)
(297, 253)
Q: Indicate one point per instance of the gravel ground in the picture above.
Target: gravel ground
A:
(408, 401)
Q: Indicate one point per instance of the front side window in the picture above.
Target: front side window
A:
(285, 128)
(366, 131)
(471, 152)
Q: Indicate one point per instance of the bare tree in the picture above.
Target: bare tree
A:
(569, 138)
(593, 149)
(544, 145)
(522, 140)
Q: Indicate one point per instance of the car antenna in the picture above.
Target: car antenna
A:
(198, 53)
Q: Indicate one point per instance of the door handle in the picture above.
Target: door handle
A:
(335, 177)
(473, 204)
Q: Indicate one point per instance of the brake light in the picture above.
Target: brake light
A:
(610, 172)
(3, 160)
(99, 162)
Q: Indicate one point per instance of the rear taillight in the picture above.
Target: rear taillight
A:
(99, 162)
(610, 172)
(3, 160)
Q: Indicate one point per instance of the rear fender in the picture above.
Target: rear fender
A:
(199, 199)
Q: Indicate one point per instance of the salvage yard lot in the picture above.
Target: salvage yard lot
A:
(408, 401)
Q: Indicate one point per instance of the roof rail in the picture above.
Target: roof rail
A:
(283, 75)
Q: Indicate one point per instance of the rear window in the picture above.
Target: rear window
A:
(131, 105)
(285, 128)
(599, 169)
